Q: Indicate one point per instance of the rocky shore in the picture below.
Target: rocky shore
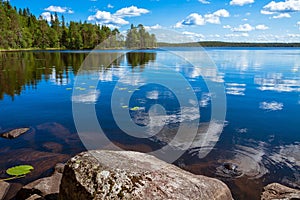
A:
(103, 174)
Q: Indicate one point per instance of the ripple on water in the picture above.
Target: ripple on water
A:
(255, 159)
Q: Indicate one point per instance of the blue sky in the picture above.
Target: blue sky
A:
(229, 20)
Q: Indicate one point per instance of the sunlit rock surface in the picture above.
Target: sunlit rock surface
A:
(278, 191)
(132, 175)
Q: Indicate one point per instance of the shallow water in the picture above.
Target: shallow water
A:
(261, 129)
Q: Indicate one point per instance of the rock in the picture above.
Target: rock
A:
(47, 188)
(4, 187)
(35, 197)
(278, 191)
(59, 168)
(53, 147)
(101, 174)
(43, 162)
(13, 189)
(14, 133)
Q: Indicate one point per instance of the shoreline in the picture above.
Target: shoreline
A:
(164, 45)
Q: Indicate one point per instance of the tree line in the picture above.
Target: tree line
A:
(20, 29)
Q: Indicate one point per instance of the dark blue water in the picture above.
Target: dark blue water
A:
(260, 134)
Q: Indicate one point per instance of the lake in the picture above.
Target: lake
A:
(235, 110)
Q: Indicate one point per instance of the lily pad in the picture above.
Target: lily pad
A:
(19, 170)
(135, 108)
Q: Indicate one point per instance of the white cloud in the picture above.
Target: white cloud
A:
(194, 36)
(282, 15)
(204, 1)
(192, 19)
(261, 27)
(59, 9)
(293, 35)
(283, 6)
(199, 20)
(106, 18)
(298, 23)
(131, 11)
(236, 35)
(110, 6)
(240, 2)
(227, 27)
(46, 16)
(264, 12)
(243, 28)
(156, 26)
(271, 106)
(115, 20)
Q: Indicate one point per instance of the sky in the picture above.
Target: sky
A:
(198, 20)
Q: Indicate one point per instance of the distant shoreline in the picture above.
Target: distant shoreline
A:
(193, 44)
(227, 44)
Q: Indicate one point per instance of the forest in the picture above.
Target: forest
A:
(20, 29)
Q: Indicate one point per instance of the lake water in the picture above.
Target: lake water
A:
(43, 89)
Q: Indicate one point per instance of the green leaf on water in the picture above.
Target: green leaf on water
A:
(68, 88)
(124, 106)
(19, 170)
(122, 88)
(135, 108)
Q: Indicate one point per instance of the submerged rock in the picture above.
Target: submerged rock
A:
(14, 133)
(4, 187)
(278, 191)
(44, 188)
(103, 174)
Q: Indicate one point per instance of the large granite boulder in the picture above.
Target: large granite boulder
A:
(278, 191)
(103, 174)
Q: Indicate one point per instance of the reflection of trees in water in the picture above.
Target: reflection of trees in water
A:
(19, 70)
(140, 58)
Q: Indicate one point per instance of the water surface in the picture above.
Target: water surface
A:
(260, 136)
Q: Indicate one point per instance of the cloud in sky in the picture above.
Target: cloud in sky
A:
(243, 28)
(110, 6)
(199, 20)
(59, 9)
(46, 16)
(193, 36)
(131, 11)
(282, 15)
(240, 2)
(281, 9)
(261, 27)
(106, 18)
(246, 28)
(117, 19)
(204, 1)
(283, 6)
(227, 26)
(156, 26)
